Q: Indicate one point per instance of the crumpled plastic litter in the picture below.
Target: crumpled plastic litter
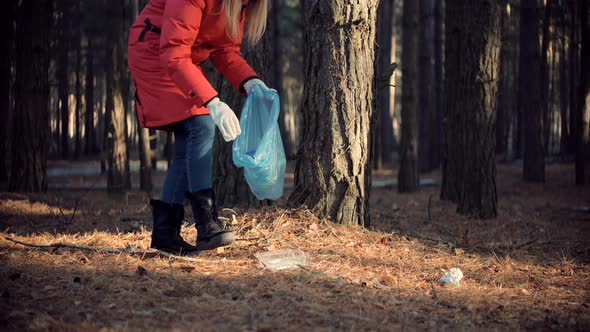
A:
(452, 277)
(282, 259)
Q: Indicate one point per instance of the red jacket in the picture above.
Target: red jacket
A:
(165, 63)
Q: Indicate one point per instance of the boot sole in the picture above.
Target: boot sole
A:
(220, 240)
(175, 251)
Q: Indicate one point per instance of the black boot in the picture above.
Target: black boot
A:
(166, 230)
(210, 232)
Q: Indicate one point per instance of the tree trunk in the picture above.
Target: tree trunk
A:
(583, 132)
(530, 92)
(503, 94)
(426, 86)
(333, 171)
(145, 152)
(563, 83)
(408, 174)
(230, 186)
(473, 58)
(552, 131)
(277, 69)
(383, 126)
(79, 96)
(31, 119)
(154, 137)
(574, 59)
(438, 82)
(169, 148)
(145, 155)
(63, 77)
(90, 139)
(118, 179)
(7, 9)
(545, 70)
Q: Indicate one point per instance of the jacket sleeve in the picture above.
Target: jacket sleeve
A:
(232, 65)
(180, 27)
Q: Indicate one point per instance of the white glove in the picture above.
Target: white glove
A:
(249, 85)
(225, 119)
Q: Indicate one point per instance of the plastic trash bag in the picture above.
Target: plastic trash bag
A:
(452, 277)
(259, 149)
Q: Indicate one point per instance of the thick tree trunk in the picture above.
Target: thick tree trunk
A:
(333, 171)
(408, 174)
(383, 124)
(118, 178)
(583, 132)
(31, 119)
(437, 136)
(426, 99)
(473, 58)
(7, 10)
(530, 92)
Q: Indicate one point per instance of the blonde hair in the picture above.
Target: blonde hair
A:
(256, 15)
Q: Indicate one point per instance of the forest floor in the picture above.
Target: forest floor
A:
(527, 269)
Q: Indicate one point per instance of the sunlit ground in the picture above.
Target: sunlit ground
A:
(528, 269)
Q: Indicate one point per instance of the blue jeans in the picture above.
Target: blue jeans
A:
(192, 167)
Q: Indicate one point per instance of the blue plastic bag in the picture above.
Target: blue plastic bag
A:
(259, 149)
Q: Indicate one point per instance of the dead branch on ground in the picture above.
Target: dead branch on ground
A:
(128, 251)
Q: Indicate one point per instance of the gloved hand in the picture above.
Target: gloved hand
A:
(249, 85)
(225, 119)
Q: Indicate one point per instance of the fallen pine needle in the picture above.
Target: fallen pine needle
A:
(116, 251)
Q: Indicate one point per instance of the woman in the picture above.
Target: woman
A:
(167, 45)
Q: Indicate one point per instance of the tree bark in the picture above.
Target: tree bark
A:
(583, 132)
(7, 10)
(118, 178)
(90, 138)
(425, 92)
(563, 82)
(473, 58)
(574, 58)
(79, 85)
(383, 125)
(145, 151)
(63, 77)
(502, 113)
(437, 136)
(545, 70)
(333, 171)
(31, 119)
(276, 63)
(530, 92)
(408, 178)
